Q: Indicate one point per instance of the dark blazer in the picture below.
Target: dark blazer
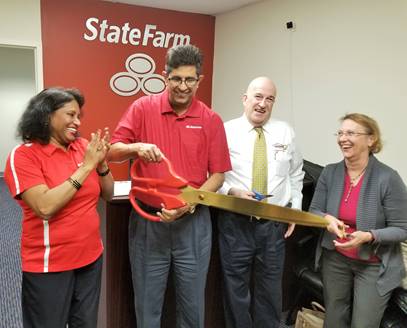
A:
(382, 209)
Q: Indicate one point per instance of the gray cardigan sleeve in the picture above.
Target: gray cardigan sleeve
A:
(394, 205)
(319, 199)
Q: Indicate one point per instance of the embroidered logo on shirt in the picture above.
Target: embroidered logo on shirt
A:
(194, 127)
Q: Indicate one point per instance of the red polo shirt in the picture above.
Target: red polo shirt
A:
(194, 142)
(71, 238)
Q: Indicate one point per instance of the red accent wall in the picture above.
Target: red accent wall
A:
(72, 61)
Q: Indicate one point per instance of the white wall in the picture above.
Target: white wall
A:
(20, 25)
(20, 65)
(344, 56)
(17, 85)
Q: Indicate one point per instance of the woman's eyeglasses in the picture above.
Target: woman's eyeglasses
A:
(350, 134)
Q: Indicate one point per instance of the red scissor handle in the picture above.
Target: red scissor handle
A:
(146, 189)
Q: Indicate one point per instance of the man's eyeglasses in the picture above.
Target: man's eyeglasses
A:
(350, 134)
(176, 81)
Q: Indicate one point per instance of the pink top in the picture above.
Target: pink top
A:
(347, 213)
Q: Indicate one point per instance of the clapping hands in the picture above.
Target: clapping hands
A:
(98, 147)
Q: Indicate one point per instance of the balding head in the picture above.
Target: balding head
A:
(258, 100)
(262, 82)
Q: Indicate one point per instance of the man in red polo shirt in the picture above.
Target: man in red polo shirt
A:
(192, 137)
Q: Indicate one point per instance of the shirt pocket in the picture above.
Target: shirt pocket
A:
(281, 158)
(193, 147)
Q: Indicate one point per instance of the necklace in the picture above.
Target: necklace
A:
(353, 183)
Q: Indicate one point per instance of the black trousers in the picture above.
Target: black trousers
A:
(251, 249)
(55, 299)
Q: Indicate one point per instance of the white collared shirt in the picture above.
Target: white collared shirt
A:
(285, 175)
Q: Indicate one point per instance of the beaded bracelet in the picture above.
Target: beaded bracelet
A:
(74, 183)
(102, 174)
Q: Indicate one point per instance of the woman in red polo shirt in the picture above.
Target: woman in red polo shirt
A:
(365, 202)
(57, 178)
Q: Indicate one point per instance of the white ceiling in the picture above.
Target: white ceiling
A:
(209, 7)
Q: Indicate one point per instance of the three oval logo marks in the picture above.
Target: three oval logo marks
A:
(139, 76)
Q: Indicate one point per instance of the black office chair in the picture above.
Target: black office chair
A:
(308, 284)
(395, 315)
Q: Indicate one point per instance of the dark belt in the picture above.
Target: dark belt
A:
(153, 210)
(147, 208)
(256, 220)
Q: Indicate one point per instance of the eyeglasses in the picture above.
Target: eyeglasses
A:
(176, 81)
(350, 134)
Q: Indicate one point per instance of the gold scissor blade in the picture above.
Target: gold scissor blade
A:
(252, 208)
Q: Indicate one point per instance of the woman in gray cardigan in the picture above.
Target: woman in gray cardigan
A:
(366, 204)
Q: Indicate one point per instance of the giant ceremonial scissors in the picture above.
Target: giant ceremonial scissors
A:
(147, 189)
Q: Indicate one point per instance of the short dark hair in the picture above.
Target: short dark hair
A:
(34, 123)
(188, 55)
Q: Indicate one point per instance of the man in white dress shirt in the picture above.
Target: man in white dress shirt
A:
(252, 246)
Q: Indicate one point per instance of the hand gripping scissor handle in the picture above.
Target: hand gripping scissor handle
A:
(146, 189)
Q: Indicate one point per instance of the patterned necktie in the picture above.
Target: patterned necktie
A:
(259, 173)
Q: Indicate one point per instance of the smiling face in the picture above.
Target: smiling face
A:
(64, 124)
(180, 94)
(258, 101)
(354, 142)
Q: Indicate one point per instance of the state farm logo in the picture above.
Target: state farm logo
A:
(139, 76)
